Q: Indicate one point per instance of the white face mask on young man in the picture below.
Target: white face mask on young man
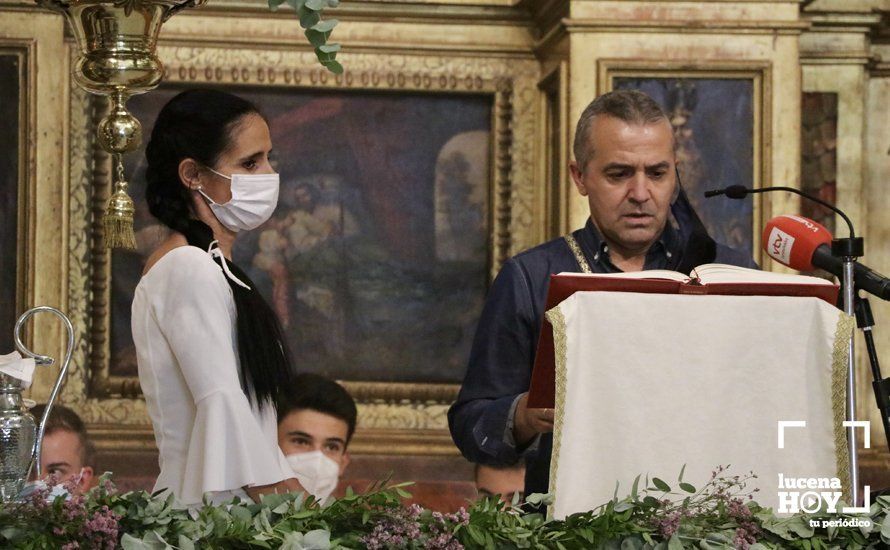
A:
(317, 473)
(254, 198)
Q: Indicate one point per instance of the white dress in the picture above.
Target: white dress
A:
(209, 436)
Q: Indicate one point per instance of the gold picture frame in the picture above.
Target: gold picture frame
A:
(19, 56)
(759, 73)
(37, 275)
(554, 144)
(395, 418)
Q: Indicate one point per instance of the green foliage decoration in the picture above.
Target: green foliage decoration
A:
(317, 30)
(722, 514)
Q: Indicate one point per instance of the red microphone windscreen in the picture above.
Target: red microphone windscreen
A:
(792, 240)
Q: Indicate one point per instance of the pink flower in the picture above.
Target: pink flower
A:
(669, 525)
(738, 510)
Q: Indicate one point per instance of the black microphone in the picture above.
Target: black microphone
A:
(740, 192)
(733, 192)
(864, 278)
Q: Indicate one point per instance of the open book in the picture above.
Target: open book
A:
(705, 279)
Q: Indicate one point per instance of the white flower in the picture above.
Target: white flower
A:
(318, 539)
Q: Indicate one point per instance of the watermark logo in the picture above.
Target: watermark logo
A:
(820, 494)
(780, 245)
(809, 494)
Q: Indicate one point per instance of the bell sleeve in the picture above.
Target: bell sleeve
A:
(228, 448)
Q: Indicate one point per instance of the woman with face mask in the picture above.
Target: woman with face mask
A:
(210, 350)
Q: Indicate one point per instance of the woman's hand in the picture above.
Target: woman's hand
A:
(290, 485)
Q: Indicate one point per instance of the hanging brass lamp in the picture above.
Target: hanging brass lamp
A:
(118, 58)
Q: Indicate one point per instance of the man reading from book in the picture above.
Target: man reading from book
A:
(640, 219)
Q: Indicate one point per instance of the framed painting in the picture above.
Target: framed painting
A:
(13, 163)
(376, 259)
(720, 119)
(398, 204)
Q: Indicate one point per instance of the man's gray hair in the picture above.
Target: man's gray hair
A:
(631, 106)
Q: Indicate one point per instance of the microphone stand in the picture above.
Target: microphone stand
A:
(848, 250)
(866, 322)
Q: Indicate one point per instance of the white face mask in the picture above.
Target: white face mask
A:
(254, 198)
(317, 473)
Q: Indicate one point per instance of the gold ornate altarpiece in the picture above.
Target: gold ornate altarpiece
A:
(540, 62)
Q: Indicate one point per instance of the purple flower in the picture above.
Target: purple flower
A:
(743, 539)
(108, 486)
(738, 510)
(102, 527)
(461, 517)
(669, 524)
(405, 527)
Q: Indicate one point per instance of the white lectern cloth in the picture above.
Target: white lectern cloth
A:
(646, 383)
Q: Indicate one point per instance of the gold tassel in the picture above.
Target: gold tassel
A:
(118, 219)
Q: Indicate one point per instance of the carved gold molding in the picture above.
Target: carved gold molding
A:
(407, 418)
(115, 439)
(434, 11)
(553, 169)
(682, 26)
(395, 391)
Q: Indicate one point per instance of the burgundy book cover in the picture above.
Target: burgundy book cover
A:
(542, 392)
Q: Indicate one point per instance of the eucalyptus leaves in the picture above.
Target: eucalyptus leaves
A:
(720, 515)
(317, 31)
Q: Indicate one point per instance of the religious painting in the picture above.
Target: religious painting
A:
(376, 260)
(713, 126)
(818, 142)
(11, 151)
(718, 118)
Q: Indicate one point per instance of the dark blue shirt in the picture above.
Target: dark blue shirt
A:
(503, 351)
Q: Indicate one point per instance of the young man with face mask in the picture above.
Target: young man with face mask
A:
(67, 451)
(316, 421)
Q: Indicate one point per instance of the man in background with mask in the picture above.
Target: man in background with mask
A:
(316, 420)
(67, 451)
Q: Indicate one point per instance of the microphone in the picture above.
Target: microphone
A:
(802, 244)
(733, 192)
(740, 192)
